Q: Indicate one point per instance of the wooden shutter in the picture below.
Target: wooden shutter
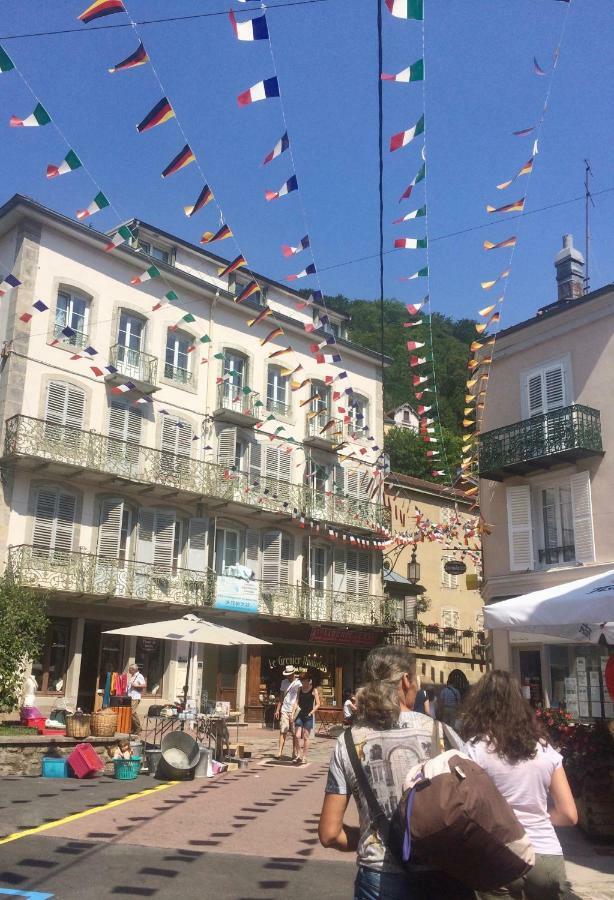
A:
(164, 539)
(339, 571)
(109, 528)
(447, 580)
(252, 551)
(276, 553)
(176, 436)
(145, 552)
(340, 473)
(535, 395)
(255, 463)
(54, 520)
(352, 483)
(65, 404)
(554, 388)
(449, 617)
(581, 505)
(125, 422)
(227, 447)
(197, 545)
(520, 528)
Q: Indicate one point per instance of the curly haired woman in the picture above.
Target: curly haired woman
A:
(506, 740)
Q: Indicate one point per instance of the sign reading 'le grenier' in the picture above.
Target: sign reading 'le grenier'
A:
(455, 567)
(342, 636)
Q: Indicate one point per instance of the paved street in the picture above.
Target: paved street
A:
(249, 835)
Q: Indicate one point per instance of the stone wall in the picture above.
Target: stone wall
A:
(24, 755)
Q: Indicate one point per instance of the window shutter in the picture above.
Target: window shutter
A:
(286, 554)
(275, 557)
(176, 436)
(520, 528)
(535, 395)
(54, 520)
(65, 521)
(272, 462)
(352, 483)
(145, 539)
(555, 388)
(351, 575)
(42, 537)
(252, 551)
(449, 617)
(109, 529)
(447, 580)
(339, 572)
(340, 473)
(197, 545)
(255, 463)
(363, 577)
(164, 538)
(582, 517)
(285, 466)
(65, 404)
(227, 447)
(124, 434)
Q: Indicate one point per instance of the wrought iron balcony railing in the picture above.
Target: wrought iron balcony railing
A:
(70, 572)
(540, 442)
(435, 639)
(176, 373)
(77, 339)
(323, 429)
(41, 440)
(134, 364)
(242, 402)
(278, 407)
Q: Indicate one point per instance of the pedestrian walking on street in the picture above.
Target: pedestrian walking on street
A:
(389, 739)
(449, 703)
(421, 703)
(506, 740)
(136, 685)
(308, 703)
(286, 703)
(349, 708)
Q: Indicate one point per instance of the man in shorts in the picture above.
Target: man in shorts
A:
(286, 702)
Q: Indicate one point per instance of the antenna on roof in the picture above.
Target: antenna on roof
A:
(587, 235)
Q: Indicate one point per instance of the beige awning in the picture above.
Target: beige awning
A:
(190, 628)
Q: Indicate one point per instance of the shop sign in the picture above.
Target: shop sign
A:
(455, 567)
(343, 636)
(236, 594)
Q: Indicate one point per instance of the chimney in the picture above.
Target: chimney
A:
(569, 265)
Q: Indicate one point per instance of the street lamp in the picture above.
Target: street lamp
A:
(413, 590)
(413, 568)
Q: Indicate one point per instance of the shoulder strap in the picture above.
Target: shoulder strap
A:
(379, 819)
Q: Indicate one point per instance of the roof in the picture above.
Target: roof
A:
(395, 578)
(93, 236)
(555, 309)
(428, 487)
(390, 413)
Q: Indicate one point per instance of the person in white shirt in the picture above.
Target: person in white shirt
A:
(349, 709)
(136, 683)
(286, 703)
(505, 739)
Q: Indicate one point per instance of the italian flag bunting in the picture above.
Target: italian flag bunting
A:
(148, 274)
(6, 63)
(411, 73)
(406, 9)
(40, 116)
(99, 202)
(122, 235)
(70, 162)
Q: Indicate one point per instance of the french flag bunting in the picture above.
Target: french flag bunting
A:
(292, 251)
(280, 147)
(310, 270)
(287, 187)
(314, 297)
(252, 30)
(263, 90)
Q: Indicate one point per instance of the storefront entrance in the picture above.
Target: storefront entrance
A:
(101, 653)
(228, 658)
(530, 664)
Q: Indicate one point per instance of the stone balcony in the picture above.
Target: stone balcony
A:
(134, 583)
(65, 451)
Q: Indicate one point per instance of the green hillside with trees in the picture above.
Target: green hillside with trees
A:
(451, 341)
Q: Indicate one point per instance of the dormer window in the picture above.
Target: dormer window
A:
(162, 254)
(237, 282)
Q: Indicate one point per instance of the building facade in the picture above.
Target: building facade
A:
(444, 625)
(546, 488)
(403, 416)
(158, 459)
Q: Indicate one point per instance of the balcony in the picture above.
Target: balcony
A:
(434, 640)
(238, 405)
(323, 431)
(180, 376)
(78, 339)
(563, 435)
(278, 408)
(350, 511)
(133, 367)
(133, 582)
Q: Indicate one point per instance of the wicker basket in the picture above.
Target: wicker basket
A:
(104, 723)
(78, 726)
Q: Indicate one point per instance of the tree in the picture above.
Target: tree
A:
(23, 624)
(407, 453)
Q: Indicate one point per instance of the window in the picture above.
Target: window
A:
(276, 555)
(176, 447)
(177, 363)
(227, 549)
(54, 519)
(358, 415)
(550, 523)
(130, 342)
(448, 581)
(277, 392)
(234, 392)
(64, 414)
(319, 568)
(51, 666)
(449, 617)
(71, 311)
(124, 436)
(545, 389)
(351, 572)
(115, 531)
(149, 656)
(156, 539)
(236, 285)
(155, 251)
(406, 416)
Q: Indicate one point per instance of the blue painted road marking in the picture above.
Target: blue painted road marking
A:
(26, 895)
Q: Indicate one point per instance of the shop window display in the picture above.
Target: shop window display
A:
(150, 659)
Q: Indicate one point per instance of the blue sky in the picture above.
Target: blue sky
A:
(480, 87)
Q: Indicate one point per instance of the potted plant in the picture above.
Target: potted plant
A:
(432, 629)
(468, 632)
(431, 645)
(454, 647)
(450, 632)
(588, 758)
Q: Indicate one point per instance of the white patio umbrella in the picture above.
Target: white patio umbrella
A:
(190, 628)
(582, 610)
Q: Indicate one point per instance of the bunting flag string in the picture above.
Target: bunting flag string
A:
(403, 138)
(39, 117)
(420, 176)
(292, 251)
(252, 30)
(280, 147)
(414, 214)
(70, 162)
(6, 63)
(525, 170)
(287, 188)
(406, 9)
(310, 270)
(205, 196)
(101, 8)
(516, 206)
(507, 242)
(180, 161)
(138, 58)
(488, 285)
(411, 73)
(122, 235)
(263, 90)
(209, 237)
(99, 202)
(410, 243)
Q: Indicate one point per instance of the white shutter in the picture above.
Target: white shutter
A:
(65, 404)
(363, 576)
(520, 528)
(339, 572)
(109, 529)
(176, 436)
(54, 520)
(555, 388)
(535, 394)
(255, 463)
(145, 552)
(164, 539)
(285, 466)
(252, 551)
(449, 617)
(275, 557)
(227, 447)
(352, 483)
(125, 422)
(447, 580)
(284, 562)
(339, 479)
(272, 462)
(582, 517)
(351, 576)
(197, 545)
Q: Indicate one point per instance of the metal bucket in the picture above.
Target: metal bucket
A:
(204, 768)
(180, 756)
(153, 761)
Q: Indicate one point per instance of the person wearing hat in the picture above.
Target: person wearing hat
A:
(286, 704)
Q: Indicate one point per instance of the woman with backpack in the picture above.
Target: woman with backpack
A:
(388, 739)
(506, 740)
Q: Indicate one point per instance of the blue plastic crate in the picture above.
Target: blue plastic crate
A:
(55, 767)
